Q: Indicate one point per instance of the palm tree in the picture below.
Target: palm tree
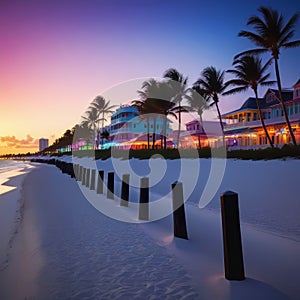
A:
(91, 120)
(198, 104)
(250, 73)
(158, 97)
(103, 107)
(144, 114)
(82, 132)
(271, 36)
(211, 84)
(180, 92)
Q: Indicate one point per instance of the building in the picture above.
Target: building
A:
(201, 134)
(243, 127)
(128, 129)
(43, 144)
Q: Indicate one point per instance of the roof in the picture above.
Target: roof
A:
(298, 82)
(287, 94)
(249, 104)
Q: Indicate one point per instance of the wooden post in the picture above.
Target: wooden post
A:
(92, 186)
(179, 220)
(80, 173)
(144, 199)
(100, 182)
(232, 242)
(83, 176)
(110, 185)
(125, 190)
(87, 180)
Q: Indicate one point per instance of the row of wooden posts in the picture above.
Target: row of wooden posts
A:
(232, 243)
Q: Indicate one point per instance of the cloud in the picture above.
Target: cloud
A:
(12, 142)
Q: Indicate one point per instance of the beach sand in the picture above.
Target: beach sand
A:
(66, 249)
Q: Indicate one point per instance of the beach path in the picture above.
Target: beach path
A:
(67, 249)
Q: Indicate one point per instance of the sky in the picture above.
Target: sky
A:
(57, 56)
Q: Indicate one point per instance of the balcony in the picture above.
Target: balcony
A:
(252, 124)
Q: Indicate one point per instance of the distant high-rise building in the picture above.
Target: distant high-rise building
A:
(43, 143)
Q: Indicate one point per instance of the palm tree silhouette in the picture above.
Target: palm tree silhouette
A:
(91, 120)
(250, 73)
(180, 91)
(158, 97)
(103, 107)
(211, 84)
(271, 36)
(197, 103)
(145, 114)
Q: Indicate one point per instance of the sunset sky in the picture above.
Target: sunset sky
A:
(56, 56)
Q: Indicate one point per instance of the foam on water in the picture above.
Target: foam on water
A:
(9, 169)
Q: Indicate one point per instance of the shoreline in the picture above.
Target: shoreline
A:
(11, 208)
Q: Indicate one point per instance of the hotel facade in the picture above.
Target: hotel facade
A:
(243, 129)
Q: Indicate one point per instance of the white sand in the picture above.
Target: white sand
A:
(11, 178)
(66, 249)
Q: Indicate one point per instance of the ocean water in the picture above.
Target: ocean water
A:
(9, 169)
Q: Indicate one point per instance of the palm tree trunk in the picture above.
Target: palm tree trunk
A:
(165, 132)
(103, 115)
(221, 123)
(153, 136)
(282, 103)
(199, 133)
(262, 120)
(148, 134)
(179, 123)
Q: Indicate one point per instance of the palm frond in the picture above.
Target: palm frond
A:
(268, 83)
(251, 52)
(235, 91)
(293, 44)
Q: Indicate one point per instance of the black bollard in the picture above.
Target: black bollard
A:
(80, 173)
(110, 185)
(76, 169)
(100, 182)
(87, 179)
(83, 176)
(144, 199)
(92, 186)
(232, 242)
(125, 190)
(179, 220)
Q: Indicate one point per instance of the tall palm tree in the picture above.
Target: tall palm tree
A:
(91, 120)
(179, 93)
(103, 107)
(198, 104)
(271, 35)
(158, 96)
(145, 114)
(250, 73)
(211, 84)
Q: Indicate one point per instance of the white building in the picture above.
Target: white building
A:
(43, 144)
